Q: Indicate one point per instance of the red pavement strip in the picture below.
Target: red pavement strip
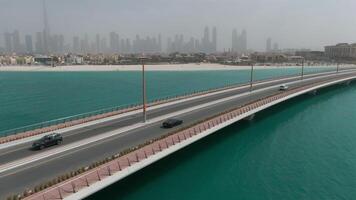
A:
(72, 185)
(101, 116)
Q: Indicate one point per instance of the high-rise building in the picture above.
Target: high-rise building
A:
(114, 42)
(8, 42)
(234, 46)
(103, 45)
(214, 46)
(29, 43)
(61, 44)
(268, 45)
(46, 30)
(243, 41)
(275, 46)
(206, 40)
(159, 43)
(76, 44)
(128, 46)
(97, 43)
(39, 43)
(16, 41)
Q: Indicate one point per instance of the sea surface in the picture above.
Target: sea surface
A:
(302, 149)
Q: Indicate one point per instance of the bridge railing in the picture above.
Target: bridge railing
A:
(64, 120)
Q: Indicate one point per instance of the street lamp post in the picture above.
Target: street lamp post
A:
(251, 78)
(302, 69)
(337, 67)
(143, 90)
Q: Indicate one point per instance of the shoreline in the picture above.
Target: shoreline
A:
(163, 67)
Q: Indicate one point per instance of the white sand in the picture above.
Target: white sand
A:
(164, 67)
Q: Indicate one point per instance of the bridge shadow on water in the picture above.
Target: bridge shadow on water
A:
(164, 167)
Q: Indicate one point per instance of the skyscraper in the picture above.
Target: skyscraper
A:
(268, 45)
(114, 42)
(159, 43)
(275, 46)
(243, 41)
(8, 42)
(16, 41)
(61, 43)
(97, 43)
(76, 44)
(39, 43)
(234, 45)
(29, 43)
(214, 45)
(206, 40)
(46, 29)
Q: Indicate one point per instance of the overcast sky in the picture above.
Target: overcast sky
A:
(291, 23)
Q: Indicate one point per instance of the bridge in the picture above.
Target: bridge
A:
(100, 150)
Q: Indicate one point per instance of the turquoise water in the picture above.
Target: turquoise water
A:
(302, 149)
(27, 98)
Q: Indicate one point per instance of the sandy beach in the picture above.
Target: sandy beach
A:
(164, 67)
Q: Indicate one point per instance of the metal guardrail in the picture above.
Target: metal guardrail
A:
(62, 120)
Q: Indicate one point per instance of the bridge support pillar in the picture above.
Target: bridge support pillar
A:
(314, 92)
(347, 83)
(250, 118)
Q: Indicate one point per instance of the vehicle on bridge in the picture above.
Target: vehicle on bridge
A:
(170, 123)
(283, 87)
(47, 141)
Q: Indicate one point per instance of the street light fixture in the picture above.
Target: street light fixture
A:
(302, 69)
(144, 106)
(337, 67)
(251, 77)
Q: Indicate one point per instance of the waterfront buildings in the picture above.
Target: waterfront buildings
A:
(341, 51)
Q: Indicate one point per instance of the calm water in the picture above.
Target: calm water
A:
(302, 149)
(31, 97)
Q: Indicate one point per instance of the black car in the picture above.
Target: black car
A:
(170, 123)
(48, 140)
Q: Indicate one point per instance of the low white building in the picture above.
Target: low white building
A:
(342, 50)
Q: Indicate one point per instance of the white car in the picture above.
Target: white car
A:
(283, 87)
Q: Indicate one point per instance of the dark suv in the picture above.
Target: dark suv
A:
(48, 140)
(170, 123)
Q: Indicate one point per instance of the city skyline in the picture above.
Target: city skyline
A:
(307, 21)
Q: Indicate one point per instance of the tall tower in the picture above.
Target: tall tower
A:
(214, 46)
(206, 40)
(244, 41)
(46, 29)
(8, 42)
(16, 41)
(234, 39)
(29, 43)
(268, 45)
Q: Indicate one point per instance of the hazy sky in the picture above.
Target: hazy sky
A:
(291, 23)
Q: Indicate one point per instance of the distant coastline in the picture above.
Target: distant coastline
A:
(158, 67)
